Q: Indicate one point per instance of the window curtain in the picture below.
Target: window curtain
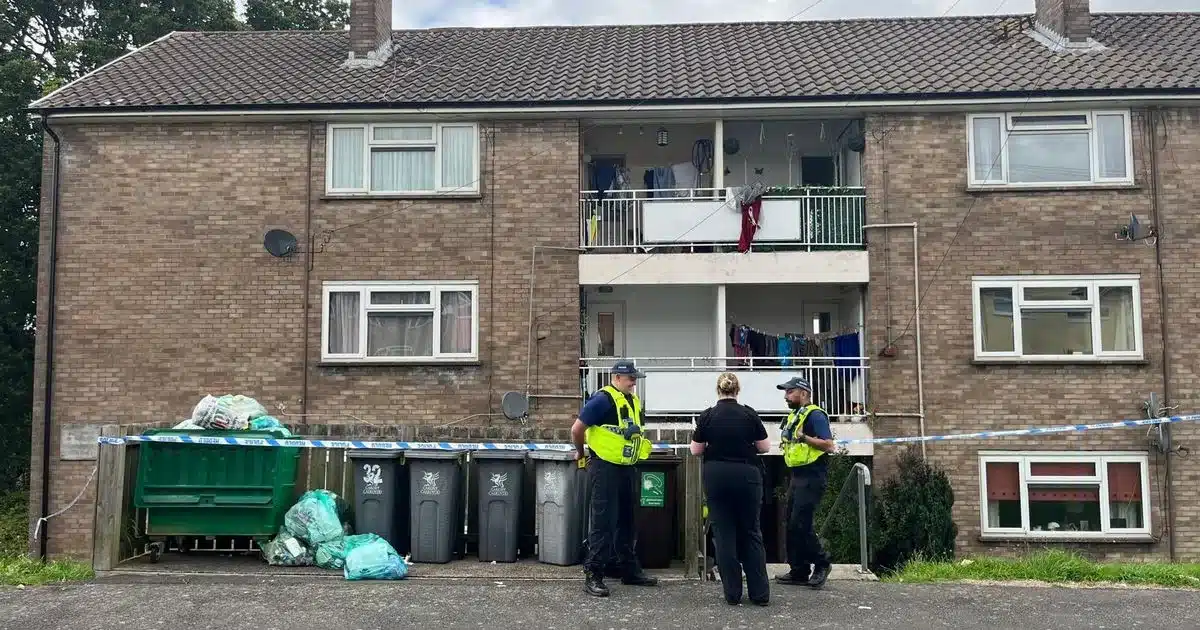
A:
(402, 170)
(343, 322)
(1110, 136)
(987, 145)
(457, 322)
(458, 157)
(347, 158)
(1116, 319)
(401, 334)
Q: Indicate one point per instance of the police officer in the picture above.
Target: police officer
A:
(610, 423)
(806, 439)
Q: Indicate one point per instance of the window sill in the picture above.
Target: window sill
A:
(989, 361)
(401, 363)
(471, 196)
(1110, 539)
(1009, 188)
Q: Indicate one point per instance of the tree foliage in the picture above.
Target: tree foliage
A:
(43, 45)
(303, 15)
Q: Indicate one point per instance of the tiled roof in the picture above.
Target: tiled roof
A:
(662, 63)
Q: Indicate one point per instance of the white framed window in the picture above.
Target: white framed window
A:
(1057, 318)
(389, 322)
(1064, 495)
(402, 159)
(1032, 149)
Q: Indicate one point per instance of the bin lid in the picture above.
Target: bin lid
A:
(553, 456)
(375, 454)
(265, 434)
(499, 454)
(434, 454)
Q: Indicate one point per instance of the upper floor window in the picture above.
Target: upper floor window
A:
(1050, 149)
(400, 159)
(1057, 318)
(400, 322)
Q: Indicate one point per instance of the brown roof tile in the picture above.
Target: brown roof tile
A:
(659, 63)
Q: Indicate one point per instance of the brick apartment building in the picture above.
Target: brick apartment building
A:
(467, 227)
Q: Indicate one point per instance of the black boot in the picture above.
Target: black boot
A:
(639, 578)
(791, 577)
(593, 585)
(820, 574)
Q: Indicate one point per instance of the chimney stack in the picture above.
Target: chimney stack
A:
(1069, 19)
(370, 30)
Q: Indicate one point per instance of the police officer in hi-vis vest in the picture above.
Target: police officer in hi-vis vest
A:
(610, 423)
(805, 440)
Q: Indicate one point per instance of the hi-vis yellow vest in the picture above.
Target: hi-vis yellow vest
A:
(608, 442)
(796, 452)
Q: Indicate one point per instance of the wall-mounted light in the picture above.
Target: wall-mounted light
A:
(662, 137)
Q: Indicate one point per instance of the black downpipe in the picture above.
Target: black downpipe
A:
(1152, 124)
(49, 380)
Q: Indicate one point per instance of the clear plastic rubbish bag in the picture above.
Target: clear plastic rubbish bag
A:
(286, 550)
(369, 557)
(315, 519)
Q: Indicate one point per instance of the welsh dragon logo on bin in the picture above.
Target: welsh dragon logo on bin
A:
(499, 485)
(429, 483)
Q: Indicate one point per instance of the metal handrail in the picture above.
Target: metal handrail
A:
(863, 476)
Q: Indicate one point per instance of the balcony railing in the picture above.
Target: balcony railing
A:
(706, 219)
(687, 385)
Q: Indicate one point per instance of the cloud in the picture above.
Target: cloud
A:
(428, 13)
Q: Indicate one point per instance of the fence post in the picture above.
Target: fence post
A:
(693, 536)
(110, 495)
(864, 480)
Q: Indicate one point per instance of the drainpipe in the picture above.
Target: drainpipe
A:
(308, 265)
(48, 398)
(917, 320)
(1152, 127)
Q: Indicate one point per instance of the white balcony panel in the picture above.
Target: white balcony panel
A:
(717, 221)
(830, 267)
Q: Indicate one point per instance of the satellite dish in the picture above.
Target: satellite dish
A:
(731, 146)
(514, 405)
(280, 243)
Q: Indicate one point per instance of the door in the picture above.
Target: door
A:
(821, 318)
(606, 339)
(817, 171)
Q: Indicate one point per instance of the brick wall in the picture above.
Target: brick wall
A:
(165, 293)
(370, 25)
(916, 171)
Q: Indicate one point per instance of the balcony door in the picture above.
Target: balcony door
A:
(605, 340)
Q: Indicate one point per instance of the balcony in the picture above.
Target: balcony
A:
(707, 220)
(677, 389)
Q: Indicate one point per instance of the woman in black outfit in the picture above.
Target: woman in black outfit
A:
(730, 436)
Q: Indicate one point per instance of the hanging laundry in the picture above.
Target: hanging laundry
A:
(739, 336)
(686, 176)
(784, 350)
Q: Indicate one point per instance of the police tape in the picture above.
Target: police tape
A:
(537, 446)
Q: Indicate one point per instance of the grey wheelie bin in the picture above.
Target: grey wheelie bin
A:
(501, 477)
(435, 487)
(561, 507)
(381, 496)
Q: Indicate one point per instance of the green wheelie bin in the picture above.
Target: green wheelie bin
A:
(198, 490)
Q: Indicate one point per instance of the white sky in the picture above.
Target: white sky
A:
(423, 13)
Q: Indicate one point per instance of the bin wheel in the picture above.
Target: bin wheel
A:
(156, 551)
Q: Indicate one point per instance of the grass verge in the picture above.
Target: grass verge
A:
(1053, 567)
(17, 569)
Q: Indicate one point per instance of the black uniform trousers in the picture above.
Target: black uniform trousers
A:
(734, 491)
(611, 537)
(803, 547)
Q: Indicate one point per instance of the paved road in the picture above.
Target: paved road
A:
(306, 604)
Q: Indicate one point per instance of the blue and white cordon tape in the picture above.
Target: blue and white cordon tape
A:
(536, 446)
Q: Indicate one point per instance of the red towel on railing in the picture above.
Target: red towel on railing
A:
(750, 215)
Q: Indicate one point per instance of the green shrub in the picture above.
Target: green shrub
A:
(911, 516)
(14, 524)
